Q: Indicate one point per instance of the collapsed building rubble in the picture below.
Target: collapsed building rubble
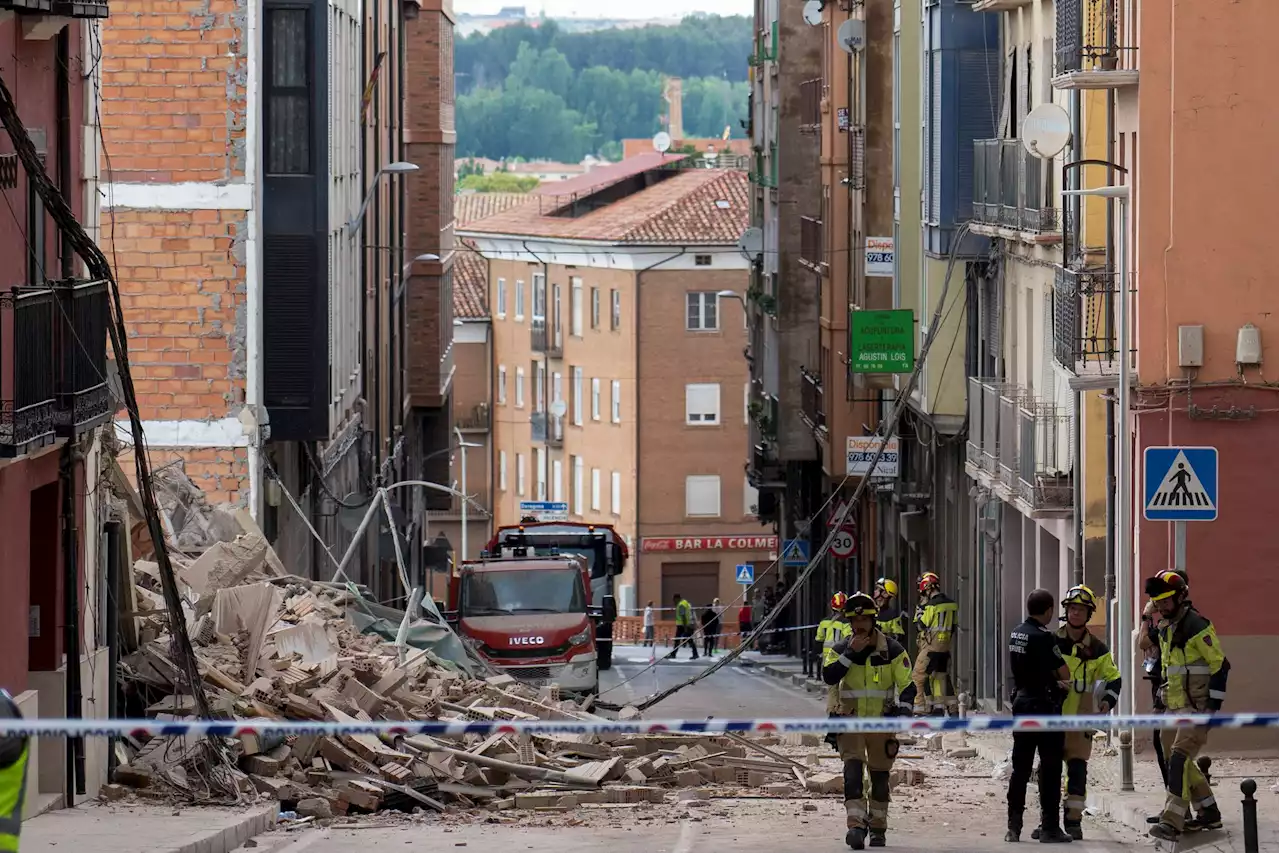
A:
(274, 646)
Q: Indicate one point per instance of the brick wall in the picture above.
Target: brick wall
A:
(223, 473)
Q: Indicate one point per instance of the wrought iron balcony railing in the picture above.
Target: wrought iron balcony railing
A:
(1020, 444)
(84, 399)
(547, 429)
(1009, 188)
(812, 407)
(1095, 45)
(1084, 331)
(28, 369)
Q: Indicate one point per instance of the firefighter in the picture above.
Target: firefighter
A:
(1194, 681)
(1094, 687)
(935, 624)
(13, 776)
(889, 616)
(873, 677)
(834, 628)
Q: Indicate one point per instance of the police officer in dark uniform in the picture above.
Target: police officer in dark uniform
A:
(1038, 668)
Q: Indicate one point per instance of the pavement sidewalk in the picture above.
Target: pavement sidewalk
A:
(145, 828)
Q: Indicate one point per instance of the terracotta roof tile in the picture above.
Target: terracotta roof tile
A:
(704, 206)
(472, 207)
(470, 284)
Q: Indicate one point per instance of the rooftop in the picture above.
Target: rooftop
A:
(470, 269)
(644, 206)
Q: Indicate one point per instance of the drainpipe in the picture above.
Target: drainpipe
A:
(1109, 299)
(112, 617)
(547, 316)
(71, 617)
(62, 97)
(1077, 153)
(639, 361)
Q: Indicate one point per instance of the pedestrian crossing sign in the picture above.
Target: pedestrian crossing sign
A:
(1180, 483)
(746, 573)
(795, 552)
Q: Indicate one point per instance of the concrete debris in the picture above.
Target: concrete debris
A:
(275, 646)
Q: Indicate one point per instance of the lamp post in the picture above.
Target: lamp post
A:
(463, 445)
(397, 168)
(1122, 621)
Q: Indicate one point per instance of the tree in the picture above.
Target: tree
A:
(545, 69)
(498, 182)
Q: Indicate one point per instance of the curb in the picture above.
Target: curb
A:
(229, 838)
(796, 679)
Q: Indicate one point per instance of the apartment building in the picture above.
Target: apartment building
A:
(619, 364)
(55, 398)
(782, 299)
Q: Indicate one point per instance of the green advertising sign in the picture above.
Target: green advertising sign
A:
(882, 341)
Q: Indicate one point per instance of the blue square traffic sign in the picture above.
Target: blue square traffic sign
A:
(1180, 483)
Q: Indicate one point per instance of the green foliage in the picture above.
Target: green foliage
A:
(498, 182)
(469, 167)
(538, 92)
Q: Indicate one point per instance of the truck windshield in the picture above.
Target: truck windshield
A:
(496, 593)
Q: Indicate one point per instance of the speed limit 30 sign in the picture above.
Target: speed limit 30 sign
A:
(844, 544)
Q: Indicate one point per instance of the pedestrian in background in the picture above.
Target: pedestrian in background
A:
(744, 621)
(1039, 676)
(648, 624)
(711, 623)
(684, 627)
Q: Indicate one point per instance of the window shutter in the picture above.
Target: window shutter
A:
(1024, 88)
(615, 493)
(1006, 96)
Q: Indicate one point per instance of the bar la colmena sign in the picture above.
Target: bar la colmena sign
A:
(655, 544)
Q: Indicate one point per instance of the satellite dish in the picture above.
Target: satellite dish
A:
(751, 243)
(558, 408)
(1046, 131)
(662, 142)
(852, 35)
(813, 12)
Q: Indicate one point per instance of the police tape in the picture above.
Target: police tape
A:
(457, 728)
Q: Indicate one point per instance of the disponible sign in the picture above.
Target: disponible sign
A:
(882, 341)
(879, 257)
(658, 544)
(861, 449)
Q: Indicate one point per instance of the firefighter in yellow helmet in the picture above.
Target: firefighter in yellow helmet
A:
(889, 616)
(936, 625)
(1194, 681)
(832, 629)
(13, 776)
(872, 674)
(1094, 688)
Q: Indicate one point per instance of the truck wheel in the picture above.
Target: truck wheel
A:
(604, 655)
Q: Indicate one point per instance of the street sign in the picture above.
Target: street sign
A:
(861, 449)
(545, 510)
(844, 544)
(882, 341)
(745, 573)
(837, 511)
(1180, 483)
(795, 552)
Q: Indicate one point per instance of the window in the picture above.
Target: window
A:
(520, 300)
(595, 489)
(557, 390)
(595, 307)
(37, 227)
(557, 484)
(702, 260)
(615, 493)
(288, 92)
(502, 470)
(500, 299)
(579, 498)
(540, 471)
(540, 387)
(615, 310)
(539, 296)
(750, 497)
(702, 496)
(520, 474)
(595, 399)
(615, 401)
(575, 306)
(702, 403)
(577, 396)
(701, 314)
(502, 385)
(746, 402)
(519, 387)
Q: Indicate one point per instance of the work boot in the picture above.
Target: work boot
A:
(1210, 818)
(856, 838)
(1164, 831)
(877, 838)
(1154, 819)
(1052, 836)
(1073, 829)
(1012, 834)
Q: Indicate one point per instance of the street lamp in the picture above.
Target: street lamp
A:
(420, 259)
(397, 168)
(465, 500)
(1122, 624)
(733, 294)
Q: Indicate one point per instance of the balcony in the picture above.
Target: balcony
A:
(812, 408)
(1095, 46)
(811, 105)
(84, 400)
(547, 429)
(1084, 339)
(766, 470)
(1009, 193)
(28, 369)
(546, 338)
(475, 419)
(999, 5)
(811, 241)
(56, 9)
(1020, 447)
(857, 179)
(476, 511)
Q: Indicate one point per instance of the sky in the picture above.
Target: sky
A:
(630, 9)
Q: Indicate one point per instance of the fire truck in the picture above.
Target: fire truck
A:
(539, 603)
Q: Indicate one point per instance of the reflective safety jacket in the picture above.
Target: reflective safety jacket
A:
(14, 751)
(890, 622)
(684, 613)
(837, 630)
(1193, 665)
(875, 682)
(1094, 676)
(937, 620)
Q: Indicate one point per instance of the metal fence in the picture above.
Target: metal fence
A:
(1093, 35)
(1044, 456)
(1010, 189)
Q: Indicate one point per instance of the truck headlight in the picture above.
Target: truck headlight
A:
(580, 637)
